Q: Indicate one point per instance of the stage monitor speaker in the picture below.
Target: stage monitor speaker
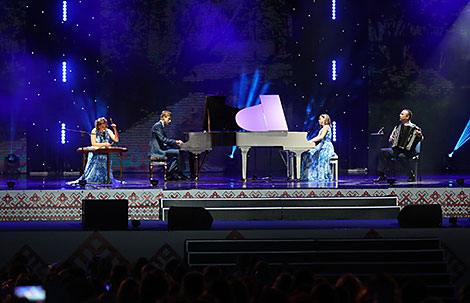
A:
(105, 214)
(420, 216)
(189, 218)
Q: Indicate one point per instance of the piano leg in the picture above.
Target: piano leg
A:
(244, 151)
(298, 158)
(194, 165)
(290, 169)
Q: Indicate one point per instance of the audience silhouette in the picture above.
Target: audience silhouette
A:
(253, 281)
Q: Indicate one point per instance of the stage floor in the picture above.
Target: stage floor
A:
(215, 181)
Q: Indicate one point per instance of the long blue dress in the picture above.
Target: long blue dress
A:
(316, 163)
(96, 169)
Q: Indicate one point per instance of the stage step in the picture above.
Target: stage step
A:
(265, 209)
(421, 259)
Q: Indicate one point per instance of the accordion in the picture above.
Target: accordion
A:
(405, 137)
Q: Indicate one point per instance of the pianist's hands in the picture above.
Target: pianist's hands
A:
(179, 142)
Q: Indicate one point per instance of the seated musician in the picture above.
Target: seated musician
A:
(316, 164)
(160, 144)
(96, 169)
(404, 138)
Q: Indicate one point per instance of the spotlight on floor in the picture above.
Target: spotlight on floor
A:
(453, 221)
(82, 183)
(135, 224)
(460, 181)
(11, 184)
(391, 182)
(154, 182)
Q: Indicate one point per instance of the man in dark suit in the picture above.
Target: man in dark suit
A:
(160, 146)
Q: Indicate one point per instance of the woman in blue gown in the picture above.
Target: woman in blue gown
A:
(316, 163)
(96, 171)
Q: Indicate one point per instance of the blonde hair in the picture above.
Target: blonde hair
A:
(165, 113)
(99, 122)
(327, 119)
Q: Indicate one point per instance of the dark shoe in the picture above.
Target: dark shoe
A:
(412, 178)
(381, 178)
(183, 177)
(172, 178)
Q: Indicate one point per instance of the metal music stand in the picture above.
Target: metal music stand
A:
(82, 181)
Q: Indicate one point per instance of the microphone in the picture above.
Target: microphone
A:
(381, 131)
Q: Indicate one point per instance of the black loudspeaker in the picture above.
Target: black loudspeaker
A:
(187, 218)
(420, 216)
(105, 214)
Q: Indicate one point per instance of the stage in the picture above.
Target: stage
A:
(51, 199)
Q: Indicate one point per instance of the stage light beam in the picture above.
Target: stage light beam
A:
(464, 137)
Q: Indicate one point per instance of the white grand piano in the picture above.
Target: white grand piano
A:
(265, 126)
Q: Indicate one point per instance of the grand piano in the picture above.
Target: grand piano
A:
(264, 124)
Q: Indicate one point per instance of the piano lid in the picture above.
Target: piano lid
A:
(218, 116)
(266, 116)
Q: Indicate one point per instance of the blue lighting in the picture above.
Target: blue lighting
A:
(333, 70)
(464, 137)
(64, 71)
(64, 11)
(333, 9)
(234, 148)
(254, 86)
(62, 133)
(333, 126)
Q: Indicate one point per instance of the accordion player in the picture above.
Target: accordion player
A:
(404, 140)
(405, 137)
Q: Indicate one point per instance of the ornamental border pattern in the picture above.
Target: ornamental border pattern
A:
(144, 204)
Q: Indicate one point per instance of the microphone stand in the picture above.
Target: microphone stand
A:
(82, 133)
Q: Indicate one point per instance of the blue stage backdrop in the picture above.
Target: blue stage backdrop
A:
(69, 62)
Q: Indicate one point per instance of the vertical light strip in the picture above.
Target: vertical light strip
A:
(64, 71)
(64, 11)
(333, 130)
(62, 133)
(333, 70)
(333, 9)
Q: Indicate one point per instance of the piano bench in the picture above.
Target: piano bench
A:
(334, 163)
(157, 161)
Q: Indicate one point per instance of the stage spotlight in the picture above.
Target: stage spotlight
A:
(460, 181)
(11, 184)
(12, 164)
(154, 182)
(82, 183)
(391, 182)
(453, 221)
(135, 224)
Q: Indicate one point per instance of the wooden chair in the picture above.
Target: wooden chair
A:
(157, 161)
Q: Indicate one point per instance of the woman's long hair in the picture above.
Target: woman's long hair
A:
(327, 119)
(99, 122)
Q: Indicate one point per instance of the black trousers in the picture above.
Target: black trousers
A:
(387, 154)
(176, 157)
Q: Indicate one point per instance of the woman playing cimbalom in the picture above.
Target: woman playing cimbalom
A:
(96, 169)
(316, 164)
